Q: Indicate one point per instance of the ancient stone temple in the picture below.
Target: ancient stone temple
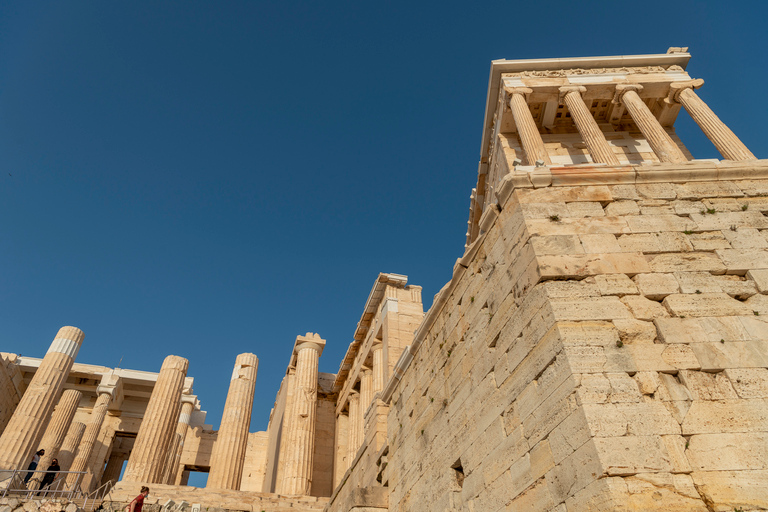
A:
(602, 344)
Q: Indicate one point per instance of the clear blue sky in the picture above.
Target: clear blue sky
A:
(208, 179)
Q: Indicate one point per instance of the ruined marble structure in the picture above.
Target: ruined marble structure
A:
(601, 345)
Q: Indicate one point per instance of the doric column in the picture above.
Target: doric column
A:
(188, 403)
(98, 414)
(659, 140)
(591, 133)
(150, 450)
(69, 446)
(726, 142)
(228, 454)
(57, 431)
(21, 436)
(530, 137)
(366, 391)
(113, 469)
(378, 367)
(354, 421)
(297, 475)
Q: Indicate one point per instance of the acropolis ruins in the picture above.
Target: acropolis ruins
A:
(602, 344)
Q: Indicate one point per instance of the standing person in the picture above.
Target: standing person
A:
(33, 465)
(138, 501)
(50, 474)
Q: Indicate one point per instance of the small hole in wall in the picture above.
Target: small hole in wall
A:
(458, 471)
(493, 342)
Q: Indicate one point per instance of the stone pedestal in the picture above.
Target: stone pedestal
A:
(69, 446)
(229, 450)
(530, 137)
(98, 414)
(659, 140)
(57, 431)
(21, 436)
(593, 136)
(177, 444)
(150, 450)
(726, 142)
(297, 475)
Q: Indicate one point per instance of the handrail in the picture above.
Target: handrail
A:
(12, 482)
(97, 494)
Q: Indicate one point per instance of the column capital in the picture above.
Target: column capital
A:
(622, 89)
(310, 340)
(189, 399)
(580, 89)
(675, 88)
(112, 385)
(525, 91)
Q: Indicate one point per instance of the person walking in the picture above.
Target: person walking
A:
(33, 465)
(138, 501)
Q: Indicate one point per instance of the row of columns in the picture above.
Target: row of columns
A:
(662, 144)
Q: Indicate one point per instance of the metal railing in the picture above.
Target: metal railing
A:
(97, 496)
(53, 484)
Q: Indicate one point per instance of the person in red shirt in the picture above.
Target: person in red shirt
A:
(138, 501)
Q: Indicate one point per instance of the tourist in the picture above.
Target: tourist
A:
(138, 501)
(33, 465)
(51, 474)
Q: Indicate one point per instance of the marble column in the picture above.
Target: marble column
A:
(354, 435)
(228, 454)
(297, 474)
(69, 446)
(597, 145)
(156, 430)
(533, 145)
(57, 430)
(341, 459)
(726, 142)
(85, 449)
(659, 140)
(113, 468)
(188, 403)
(21, 437)
(378, 368)
(366, 391)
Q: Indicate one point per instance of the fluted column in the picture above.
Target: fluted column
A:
(378, 368)
(228, 454)
(57, 431)
(21, 436)
(366, 391)
(726, 142)
(659, 140)
(69, 446)
(593, 136)
(113, 468)
(530, 137)
(297, 475)
(354, 433)
(98, 414)
(177, 443)
(150, 449)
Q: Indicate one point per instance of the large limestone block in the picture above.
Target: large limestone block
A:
(760, 278)
(629, 455)
(599, 193)
(726, 416)
(707, 189)
(577, 226)
(589, 308)
(656, 191)
(745, 238)
(556, 245)
(623, 207)
(630, 418)
(749, 382)
(579, 266)
(570, 289)
(729, 452)
(600, 243)
(687, 262)
(726, 220)
(716, 356)
(615, 284)
(739, 261)
(705, 304)
(585, 209)
(733, 490)
(635, 331)
(708, 241)
(545, 210)
(658, 223)
(698, 330)
(656, 286)
(707, 386)
(644, 309)
(697, 282)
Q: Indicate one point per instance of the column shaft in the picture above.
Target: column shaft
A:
(726, 142)
(378, 369)
(57, 430)
(591, 133)
(228, 454)
(98, 414)
(69, 446)
(659, 140)
(177, 446)
(353, 436)
(301, 437)
(150, 449)
(22, 435)
(366, 392)
(533, 145)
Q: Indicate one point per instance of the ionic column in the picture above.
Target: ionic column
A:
(57, 430)
(113, 468)
(150, 449)
(378, 367)
(228, 454)
(69, 446)
(177, 444)
(354, 433)
(726, 142)
(297, 477)
(23, 432)
(593, 136)
(530, 137)
(366, 391)
(659, 140)
(98, 414)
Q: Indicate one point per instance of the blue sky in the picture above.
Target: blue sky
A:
(208, 179)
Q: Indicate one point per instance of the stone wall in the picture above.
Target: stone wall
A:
(37, 505)
(600, 347)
